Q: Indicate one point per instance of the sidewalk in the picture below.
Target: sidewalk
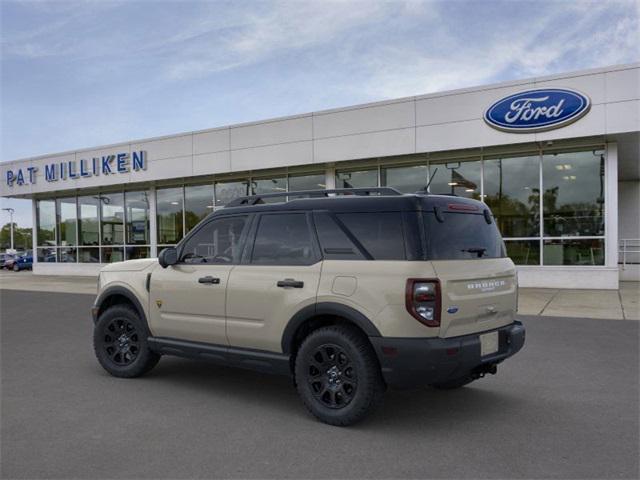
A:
(623, 304)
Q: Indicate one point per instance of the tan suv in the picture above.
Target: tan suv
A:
(347, 291)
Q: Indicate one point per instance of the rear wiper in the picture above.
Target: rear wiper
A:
(478, 250)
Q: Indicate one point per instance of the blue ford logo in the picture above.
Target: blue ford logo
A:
(537, 110)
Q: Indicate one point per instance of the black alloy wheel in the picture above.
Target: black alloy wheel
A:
(121, 341)
(332, 376)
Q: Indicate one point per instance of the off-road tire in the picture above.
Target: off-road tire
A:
(354, 389)
(123, 357)
(453, 384)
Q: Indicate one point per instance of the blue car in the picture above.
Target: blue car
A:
(24, 262)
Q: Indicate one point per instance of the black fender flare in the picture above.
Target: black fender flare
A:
(326, 308)
(118, 290)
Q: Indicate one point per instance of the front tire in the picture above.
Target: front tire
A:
(16, 268)
(120, 343)
(338, 376)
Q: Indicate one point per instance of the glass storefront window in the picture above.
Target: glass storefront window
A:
(573, 198)
(456, 178)
(47, 255)
(314, 181)
(357, 179)
(46, 218)
(269, 185)
(169, 207)
(523, 252)
(112, 254)
(228, 191)
(88, 220)
(133, 253)
(405, 179)
(67, 221)
(512, 191)
(137, 218)
(198, 203)
(112, 218)
(574, 252)
(67, 255)
(89, 255)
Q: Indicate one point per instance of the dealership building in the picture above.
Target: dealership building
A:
(556, 158)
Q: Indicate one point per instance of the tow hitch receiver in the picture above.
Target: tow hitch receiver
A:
(483, 370)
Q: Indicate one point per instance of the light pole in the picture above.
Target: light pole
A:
(11, 212)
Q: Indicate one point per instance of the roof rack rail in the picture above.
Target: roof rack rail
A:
(258, 199)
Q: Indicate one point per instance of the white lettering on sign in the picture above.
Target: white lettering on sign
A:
(523, 109)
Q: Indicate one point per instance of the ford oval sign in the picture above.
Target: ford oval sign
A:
(537, 110)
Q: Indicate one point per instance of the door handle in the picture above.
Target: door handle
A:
(209, 280)
(290, 282)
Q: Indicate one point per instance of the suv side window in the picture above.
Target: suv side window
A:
(381, 234)
(218, 241)
(283, 239)
(335, 243)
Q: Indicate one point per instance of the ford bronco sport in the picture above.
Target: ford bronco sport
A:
(347, 291)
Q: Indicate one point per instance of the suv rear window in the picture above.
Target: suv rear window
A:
(462, 236)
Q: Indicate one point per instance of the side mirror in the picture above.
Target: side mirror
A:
(168, 256)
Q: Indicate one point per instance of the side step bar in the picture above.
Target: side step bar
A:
(258, 360)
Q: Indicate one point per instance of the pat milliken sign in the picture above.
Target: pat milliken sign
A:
(537, 110)
(105, 165)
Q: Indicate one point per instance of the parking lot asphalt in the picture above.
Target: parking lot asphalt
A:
(565, 407)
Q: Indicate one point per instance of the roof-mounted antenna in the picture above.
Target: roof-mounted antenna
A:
(426, 187)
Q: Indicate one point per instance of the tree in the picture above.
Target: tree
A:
(21, 237)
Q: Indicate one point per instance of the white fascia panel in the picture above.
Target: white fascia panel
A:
(393, 116)
(367, 145)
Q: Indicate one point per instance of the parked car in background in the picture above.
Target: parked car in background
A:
(7, 260)
(23, 262)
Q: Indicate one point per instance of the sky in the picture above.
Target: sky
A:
(87, 73)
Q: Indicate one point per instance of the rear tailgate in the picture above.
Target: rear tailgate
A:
(477, 295)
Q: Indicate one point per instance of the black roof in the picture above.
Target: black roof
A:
(384, 202)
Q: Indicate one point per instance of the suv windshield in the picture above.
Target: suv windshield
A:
(462, 236)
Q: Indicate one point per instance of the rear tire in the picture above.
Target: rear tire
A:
(16, 268)
(338, 376)
(453, 384)
(120, 343)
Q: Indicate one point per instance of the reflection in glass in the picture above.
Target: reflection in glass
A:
(357, 179)
(169, 206)
(46, 218)
(456, 178)
(137, 217)
(47, 255)
(137, 252)
(307, 182)
(227, 191)
(406, 179)
(112, 254)
(523, 252)
(67, 212)
(574, 252)
(88, 220)
(89, 255)
(112, 218)
(573, 198)
(269, 185)
(512, 191)
(198, 203)
(67, 255)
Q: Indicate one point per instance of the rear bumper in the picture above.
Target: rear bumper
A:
(415, 362)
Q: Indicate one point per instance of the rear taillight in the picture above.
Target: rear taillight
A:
(423, 301)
